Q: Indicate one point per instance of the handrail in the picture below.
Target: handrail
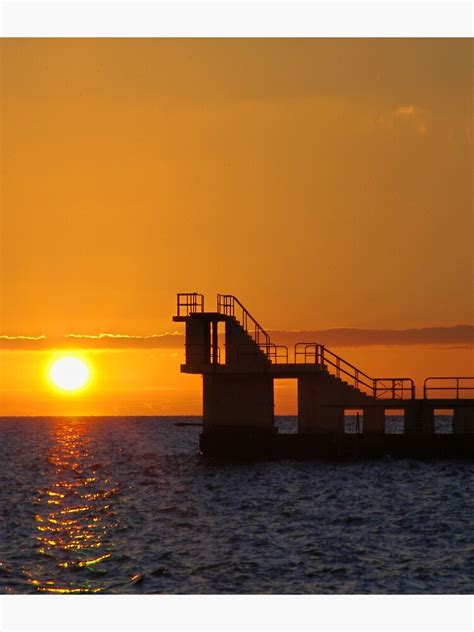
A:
(308, 352)
(457, 387)
(226, 304)
(324, 356)
(396, 388)
(340, 360)
(189, 303)
(275, 353)
(377, 387)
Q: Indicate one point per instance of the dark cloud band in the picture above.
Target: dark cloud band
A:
(457, 335)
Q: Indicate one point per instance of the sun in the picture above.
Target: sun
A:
(69, 374)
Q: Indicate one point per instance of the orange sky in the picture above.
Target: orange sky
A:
(326, 182)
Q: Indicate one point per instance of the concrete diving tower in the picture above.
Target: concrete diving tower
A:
(239, 363)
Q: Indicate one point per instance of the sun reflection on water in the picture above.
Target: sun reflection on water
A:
(74, 517)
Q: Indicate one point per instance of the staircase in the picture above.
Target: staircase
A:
(248, 347)
(253, 344)
(348, 382)
(241, 348)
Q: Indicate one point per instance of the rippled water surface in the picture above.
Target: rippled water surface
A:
(127, 506)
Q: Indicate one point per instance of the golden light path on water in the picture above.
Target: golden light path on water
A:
(74, 517)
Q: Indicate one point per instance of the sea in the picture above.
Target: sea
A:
(128, 505)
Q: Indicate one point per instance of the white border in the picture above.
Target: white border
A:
(231, 18)
(315, 612)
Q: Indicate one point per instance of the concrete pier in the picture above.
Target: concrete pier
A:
(240, 363)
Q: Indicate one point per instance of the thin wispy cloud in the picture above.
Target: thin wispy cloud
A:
(5, 337)
(409, 117)
(122, 336)
(165, 340)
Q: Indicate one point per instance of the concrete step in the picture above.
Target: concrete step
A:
(349, 388)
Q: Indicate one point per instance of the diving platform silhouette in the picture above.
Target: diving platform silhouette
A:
(239, 363)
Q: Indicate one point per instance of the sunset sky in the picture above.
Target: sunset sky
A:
(327, 183)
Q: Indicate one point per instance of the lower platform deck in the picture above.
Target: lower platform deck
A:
(335, 446)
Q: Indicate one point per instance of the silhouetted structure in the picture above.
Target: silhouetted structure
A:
(238, 401)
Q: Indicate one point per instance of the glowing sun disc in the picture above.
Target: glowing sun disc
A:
(69, 373)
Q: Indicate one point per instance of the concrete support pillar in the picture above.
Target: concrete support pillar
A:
(427, 420)
(215, 353)
(374, 420)
(412, 419)
(198, 342)
(419, 419)
(463, 420)
(322, 419)
(317, 410)
(236, 402)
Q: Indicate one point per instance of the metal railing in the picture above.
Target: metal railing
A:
(308, 353)
(378, 388)
(230, 305)
(394, 388)
(277, 354)
(189, 303)
(449, 385)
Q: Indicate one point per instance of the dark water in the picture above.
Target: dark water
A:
(127, 506)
